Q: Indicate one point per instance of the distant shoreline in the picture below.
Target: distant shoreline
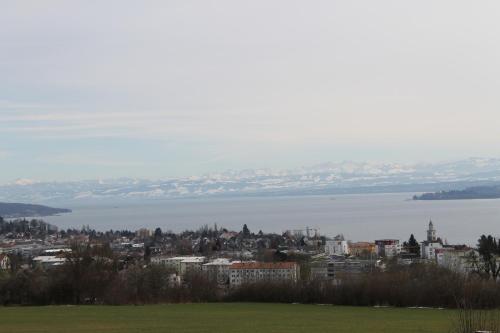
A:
(20, 210)
(470, 193)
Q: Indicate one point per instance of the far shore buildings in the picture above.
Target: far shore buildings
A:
(252, 272)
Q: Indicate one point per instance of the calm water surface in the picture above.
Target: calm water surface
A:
(358, 217)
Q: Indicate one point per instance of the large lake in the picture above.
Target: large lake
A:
(358, 217)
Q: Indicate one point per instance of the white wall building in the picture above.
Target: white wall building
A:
(252, 272)
(336, 247)
(388, 248)
(4, 261)
(457, 258)
(49, 261)
(428, 250)
(218, 270)
(180, 265)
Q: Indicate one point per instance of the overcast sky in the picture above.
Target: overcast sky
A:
(156, 89)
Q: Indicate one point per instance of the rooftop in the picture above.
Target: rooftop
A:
(264, 265)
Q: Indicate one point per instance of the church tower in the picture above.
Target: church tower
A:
(431, 233)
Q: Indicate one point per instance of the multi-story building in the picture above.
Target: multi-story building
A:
(143, 233)
(388, 248)
(218, 270)
(180, 265)
(362, 249)
(428, 250)
(459, 258)
(337, 247)
(252, 272)
(4, 261)
(47, 262)
(334, 270)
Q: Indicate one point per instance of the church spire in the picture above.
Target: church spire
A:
(431, 233)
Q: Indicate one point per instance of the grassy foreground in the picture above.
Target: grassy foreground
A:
(221, 318)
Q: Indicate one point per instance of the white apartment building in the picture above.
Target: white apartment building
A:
(218, 270)
(336, 247)
(180, 265)
(388, 248)
(457, 258)
(252, 272)
(49, 261)
(428, 250)
(4, 261)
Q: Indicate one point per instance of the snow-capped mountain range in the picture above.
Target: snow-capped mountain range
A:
(326, 178)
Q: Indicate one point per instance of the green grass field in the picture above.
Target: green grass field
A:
(221, 318)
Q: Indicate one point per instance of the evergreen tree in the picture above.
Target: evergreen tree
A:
(246, 231)
(413, 246)
(489, 250)
(158, 233)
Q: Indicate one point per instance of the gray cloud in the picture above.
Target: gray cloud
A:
(229, 73)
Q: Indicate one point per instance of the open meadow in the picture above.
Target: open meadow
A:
(222, 318)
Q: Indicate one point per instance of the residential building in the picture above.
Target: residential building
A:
(362, 249)
(180, 265)
(459, 258)
(218, 270)
(252, 272)
(388, 248)
(428, 250)
(337, 246)
(49, 261)
(4, 261)
(174, 280)
(56, 251)
(28, 250)
(335, 270)
(143, 233)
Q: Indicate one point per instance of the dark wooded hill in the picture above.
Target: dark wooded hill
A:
(15, 210)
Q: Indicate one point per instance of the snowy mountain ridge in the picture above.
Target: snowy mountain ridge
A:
(325, 178)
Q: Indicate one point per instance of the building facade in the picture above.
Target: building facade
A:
(217, 270)
(460, 258)
(388, 248)
(253, 272)
(360, 249)
(336, 247)
(334, 270)
(180, 265)
(4, 261)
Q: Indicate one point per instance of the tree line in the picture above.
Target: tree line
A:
(90, 280)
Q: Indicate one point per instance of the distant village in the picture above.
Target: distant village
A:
(229, 258)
